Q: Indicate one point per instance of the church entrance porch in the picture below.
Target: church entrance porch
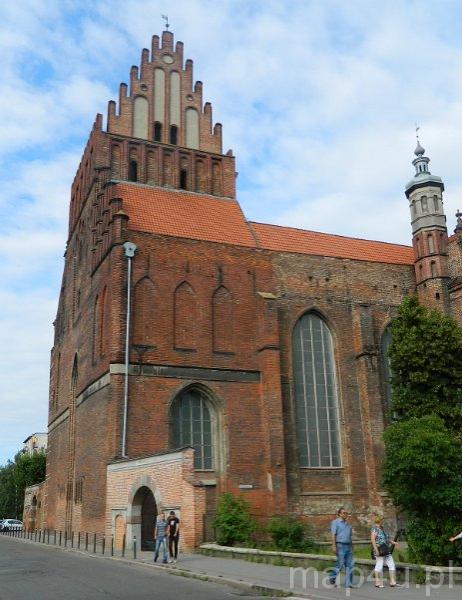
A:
(138, 489)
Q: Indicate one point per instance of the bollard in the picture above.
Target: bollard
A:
(134, 547)
(72, 539)
(54, 539)
(104, 544)
(65, 538)
(94, 543)
(112, 545)
(60, 536)
(86, 540)
(35, 535)
(123, 546)
(48, 536)
(78, 540)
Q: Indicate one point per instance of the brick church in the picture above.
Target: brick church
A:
(196, 352)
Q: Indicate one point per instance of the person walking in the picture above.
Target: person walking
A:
(342, 546)
(161, 537)
(173, 535)
(456, 537)
(382, 549)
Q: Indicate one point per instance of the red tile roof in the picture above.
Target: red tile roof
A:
(183, 214)
(199, 217)
(289, 239)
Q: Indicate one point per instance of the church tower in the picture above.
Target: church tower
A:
(158, 161)
(429, 233)
(160, 134)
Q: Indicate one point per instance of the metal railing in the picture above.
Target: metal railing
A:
(91, 542)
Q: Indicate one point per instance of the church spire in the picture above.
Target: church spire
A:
(429, 233)
(421, 161)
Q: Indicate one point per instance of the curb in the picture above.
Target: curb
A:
(180, 572)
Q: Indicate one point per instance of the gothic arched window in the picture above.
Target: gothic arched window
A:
(316, 402)
(173, 134)
(133, 171)
(192, 426)
(157, 131)
(183, 179)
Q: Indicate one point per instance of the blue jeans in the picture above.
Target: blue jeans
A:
(344, 559)
(161, 541)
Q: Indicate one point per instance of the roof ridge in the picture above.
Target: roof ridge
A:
(345, 237)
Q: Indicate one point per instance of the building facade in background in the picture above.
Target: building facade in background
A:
(37, 442)
(257, 353)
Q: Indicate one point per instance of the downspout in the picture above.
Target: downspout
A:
(130, 250)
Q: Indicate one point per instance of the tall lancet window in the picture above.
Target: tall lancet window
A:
(191, 425)
(315, 387)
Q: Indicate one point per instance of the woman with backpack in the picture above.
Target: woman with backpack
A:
(382, 548)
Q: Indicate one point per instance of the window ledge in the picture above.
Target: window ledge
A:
(321, 468)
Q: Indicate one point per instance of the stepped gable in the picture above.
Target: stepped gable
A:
(162, 103)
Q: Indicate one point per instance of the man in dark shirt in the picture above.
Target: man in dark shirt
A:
(173, 535)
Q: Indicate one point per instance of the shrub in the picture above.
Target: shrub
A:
(290, 534)
(233, 522)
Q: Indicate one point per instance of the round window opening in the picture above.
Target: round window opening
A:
(167, 59)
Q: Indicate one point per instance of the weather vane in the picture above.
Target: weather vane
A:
(417, 129)
(167, 24)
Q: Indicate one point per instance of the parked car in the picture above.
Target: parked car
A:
(11, 525)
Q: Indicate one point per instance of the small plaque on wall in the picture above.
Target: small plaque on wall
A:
(245, 486)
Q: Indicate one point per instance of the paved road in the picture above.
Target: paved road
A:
(43, 572)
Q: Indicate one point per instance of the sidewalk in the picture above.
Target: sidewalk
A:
(269, 579)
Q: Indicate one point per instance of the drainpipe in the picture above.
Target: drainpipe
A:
(130, 250)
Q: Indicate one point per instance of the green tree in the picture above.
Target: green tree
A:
(15, 477)
(422, 467)
(233, 522)
(426, 362)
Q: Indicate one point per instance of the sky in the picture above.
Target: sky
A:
(318, 100)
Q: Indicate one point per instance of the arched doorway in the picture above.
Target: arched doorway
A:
(144, 514)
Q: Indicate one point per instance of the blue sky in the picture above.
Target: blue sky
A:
(318, 100)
